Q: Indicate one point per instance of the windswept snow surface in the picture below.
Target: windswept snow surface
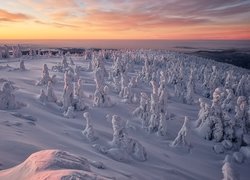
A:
(41, 125)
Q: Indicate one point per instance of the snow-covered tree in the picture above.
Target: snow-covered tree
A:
(181, 138)
(240, 90)
(203, 113)
(119, 131)
(70, 113)
(51, 97)
(7, 98)
(154, 120)
(122, 141)
(88, 131)
(68, 96)
(189, 97)
(43, 97)
(124, 84)
(143, 110)
(22, 66)
(45, 76)
(216, 116)
(240, 119)
(65, 64)
(101, 97)
(228, 170)
(228, 104)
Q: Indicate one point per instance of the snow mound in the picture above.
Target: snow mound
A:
(52, 164)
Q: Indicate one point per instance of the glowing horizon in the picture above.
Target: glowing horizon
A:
(125, 20)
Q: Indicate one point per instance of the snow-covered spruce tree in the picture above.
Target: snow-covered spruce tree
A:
(64, 63)
(164, 115)
(228, 169)
(214, 80)
(88, 131)
(203, 113)
(154, 120)
(179, 88)
(205, 85)
(68, 94)
(22, 66)
(216, 116)
(128, 94)
(124, 84)
(79, 90)
(181, 139)
(16, 51)
(90, 66)
(45, 76)
(6, 53)
(70, 113)
(240, 90)
(143, 110)
(162, 130)
(189, 97)
(122, 141)
(76, 73)
(43, 97)
(228, 104)
(240, 119)
(229, 79)
(50, 93)
(101, 98)
(119, 131)
(7, 98)
(228, 126)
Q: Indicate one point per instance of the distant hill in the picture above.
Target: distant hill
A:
(236, 57)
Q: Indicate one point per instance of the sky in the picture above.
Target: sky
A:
(125, 19)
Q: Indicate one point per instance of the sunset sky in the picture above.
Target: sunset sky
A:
(125, 19)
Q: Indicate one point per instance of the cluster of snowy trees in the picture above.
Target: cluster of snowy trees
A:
(227, 119)
(122, 147)
(73, 90)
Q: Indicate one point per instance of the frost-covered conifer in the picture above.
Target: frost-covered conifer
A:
(203, 113)
(68, 96)
(124, 84)
(7, 98)
(228, 80)
(240, 119)
(88, 131)
(45, 76)
(143, 110)
(228, 169)
(154, 120)
(189, 97)
(65, 64)
(228, 104)
(240, 90)
(22, 66)
(181, 138)
(122, 141)
(50, 93)
(43, 97)
(216, 116)
(70, 112)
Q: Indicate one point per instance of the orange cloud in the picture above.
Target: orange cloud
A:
(10, 17)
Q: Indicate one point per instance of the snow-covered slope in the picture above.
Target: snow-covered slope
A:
(36, 125)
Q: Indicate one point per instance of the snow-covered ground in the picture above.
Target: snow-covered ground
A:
(35, 125)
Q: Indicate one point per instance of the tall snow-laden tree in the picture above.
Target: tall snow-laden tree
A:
(88, 131)
(181, 138)
(45, 76)
(7, 98)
